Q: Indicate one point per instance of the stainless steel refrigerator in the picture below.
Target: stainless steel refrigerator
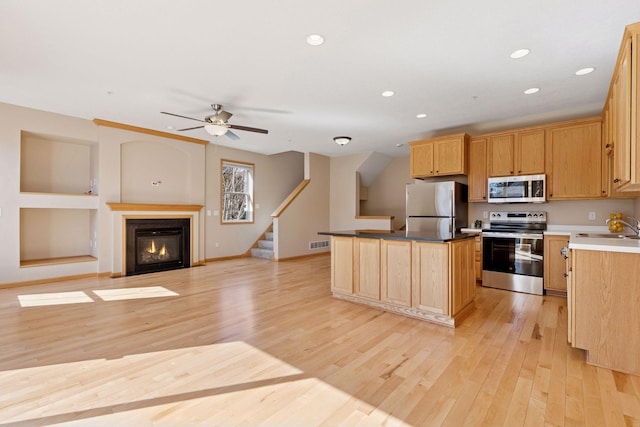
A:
(438, 207)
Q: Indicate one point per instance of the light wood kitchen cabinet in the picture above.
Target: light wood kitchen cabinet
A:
(623, 107)
(439, 156)
(342, 265)
(463, 279)
(478, 257)
(518, 153)
(430, 279)
(478, 170)
(555, 267)
(367, 268)
(574, 160)
(604, 315)
(395, 272)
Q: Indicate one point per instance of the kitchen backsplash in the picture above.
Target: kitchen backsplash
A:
(565, 212)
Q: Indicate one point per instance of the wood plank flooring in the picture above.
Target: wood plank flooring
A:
(253, 342)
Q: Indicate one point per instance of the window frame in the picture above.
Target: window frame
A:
(251, 192)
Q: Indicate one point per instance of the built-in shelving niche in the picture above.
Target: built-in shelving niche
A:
(58, 200)
(57, 165)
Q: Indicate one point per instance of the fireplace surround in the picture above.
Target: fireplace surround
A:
(157, 244)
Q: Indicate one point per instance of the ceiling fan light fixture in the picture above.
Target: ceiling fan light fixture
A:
(342, 140)
(215, 130)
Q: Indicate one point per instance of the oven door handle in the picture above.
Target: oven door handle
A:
(513, 235)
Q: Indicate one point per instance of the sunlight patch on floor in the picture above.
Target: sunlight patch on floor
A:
(57, 298)
(229, 383)
(134, 293)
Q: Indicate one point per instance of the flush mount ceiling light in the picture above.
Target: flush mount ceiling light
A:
(584, 71)
(532, 90)
(315, 39)
(520, 53)
(215, 130)
(421, 115)
(342, 140)
(388, 93)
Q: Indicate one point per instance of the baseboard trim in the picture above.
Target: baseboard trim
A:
(291, 258)
(52, 280)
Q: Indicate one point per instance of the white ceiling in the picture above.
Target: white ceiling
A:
(125, 61)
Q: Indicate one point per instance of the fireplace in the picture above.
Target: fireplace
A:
(157, 244)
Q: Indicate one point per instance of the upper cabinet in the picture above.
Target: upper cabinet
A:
(478, 169)
(622, 114)
(517, 153)
(439, 156)
(574, 160)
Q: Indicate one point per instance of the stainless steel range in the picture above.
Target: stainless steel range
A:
(512, 250)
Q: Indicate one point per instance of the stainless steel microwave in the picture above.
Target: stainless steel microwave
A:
(517, 189)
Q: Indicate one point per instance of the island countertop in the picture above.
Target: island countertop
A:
(420, 236)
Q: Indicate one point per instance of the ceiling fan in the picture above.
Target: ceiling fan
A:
(217, 123)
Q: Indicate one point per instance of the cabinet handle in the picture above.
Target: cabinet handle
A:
(616, 180)
(607, 146)
(565, 275)
(511, 172)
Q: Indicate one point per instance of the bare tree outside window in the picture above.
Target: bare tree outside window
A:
(237, 192)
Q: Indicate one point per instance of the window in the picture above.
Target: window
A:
(237, 192)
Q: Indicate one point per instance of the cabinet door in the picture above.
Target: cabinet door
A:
(529, 152)
(478, 257)
(574, 162)
(449, 156)
(554, 264)
(463, 280)
(621, 118)
(342, 265)
(501, 155)
(478, 170)
(430, 277)
(367, 268)
(421, 155)
(395, 272)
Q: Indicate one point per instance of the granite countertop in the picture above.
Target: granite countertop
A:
(420, 236)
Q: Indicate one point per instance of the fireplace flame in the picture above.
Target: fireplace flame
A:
(152, 249)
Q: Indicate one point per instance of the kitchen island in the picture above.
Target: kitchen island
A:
(425, 275)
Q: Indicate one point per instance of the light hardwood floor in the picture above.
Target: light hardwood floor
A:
(253, 342)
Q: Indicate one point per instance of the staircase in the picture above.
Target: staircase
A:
(265, 247)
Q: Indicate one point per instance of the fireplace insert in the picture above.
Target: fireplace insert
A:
(157, 244)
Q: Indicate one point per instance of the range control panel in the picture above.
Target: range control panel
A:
(518, 217)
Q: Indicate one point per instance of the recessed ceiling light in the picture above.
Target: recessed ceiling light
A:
(388, 93)
(520, 53)
(170, 127)
(315, 39)
(421, 115)
(532, 90)
(584, 71)
(399, 145)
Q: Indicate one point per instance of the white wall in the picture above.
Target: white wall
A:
(308, 214)
(386, 194)
(274, 178)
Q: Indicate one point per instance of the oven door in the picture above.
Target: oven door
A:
(513, 261)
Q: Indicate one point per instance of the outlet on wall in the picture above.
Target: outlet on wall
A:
(592, 216)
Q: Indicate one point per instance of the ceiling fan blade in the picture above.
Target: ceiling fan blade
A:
(196, 127)
(224, 115)
(184, 117)
(232, 135)
(247, 128)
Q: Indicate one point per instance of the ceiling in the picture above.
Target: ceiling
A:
(126, 61)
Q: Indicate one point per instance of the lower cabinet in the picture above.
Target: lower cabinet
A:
(433, 281)
(603, 301)
(395, 272)
(367, 268)
(430, 279)
(555, 280)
